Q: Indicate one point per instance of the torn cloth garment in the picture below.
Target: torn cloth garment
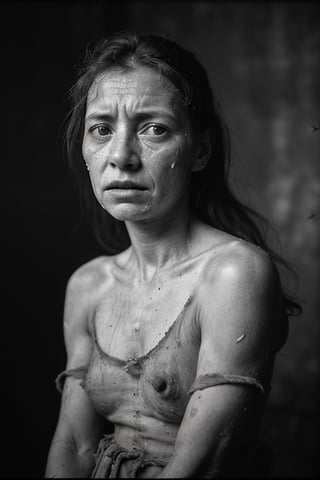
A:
(114, 461)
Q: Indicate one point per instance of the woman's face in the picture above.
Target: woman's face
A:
(138, 145)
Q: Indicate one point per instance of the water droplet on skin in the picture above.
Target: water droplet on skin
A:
(240, 338)
(173, 165)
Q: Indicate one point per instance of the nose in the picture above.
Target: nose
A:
(123, 152)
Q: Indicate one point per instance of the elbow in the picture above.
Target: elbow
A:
(67, 458)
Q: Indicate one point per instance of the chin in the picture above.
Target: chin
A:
(127, 212)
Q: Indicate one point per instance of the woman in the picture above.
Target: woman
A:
(172, 339)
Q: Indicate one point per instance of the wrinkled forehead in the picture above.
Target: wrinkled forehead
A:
(140, 84)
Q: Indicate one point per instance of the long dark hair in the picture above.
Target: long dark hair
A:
(211, 198)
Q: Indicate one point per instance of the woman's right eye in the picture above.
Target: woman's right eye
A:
(100, 130)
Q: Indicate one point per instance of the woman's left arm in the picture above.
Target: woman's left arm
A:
(239, 322)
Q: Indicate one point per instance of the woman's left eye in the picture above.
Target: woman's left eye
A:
(156, 130)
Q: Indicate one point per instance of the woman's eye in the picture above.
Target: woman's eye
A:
(156, 130)
(101, 130)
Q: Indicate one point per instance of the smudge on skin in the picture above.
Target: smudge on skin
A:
(193, 412)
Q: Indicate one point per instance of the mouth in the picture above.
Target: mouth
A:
(125, 185)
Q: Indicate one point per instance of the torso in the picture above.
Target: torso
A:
(146, 339)
(146, 343)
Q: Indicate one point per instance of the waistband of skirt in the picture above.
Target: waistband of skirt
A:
(110, 455)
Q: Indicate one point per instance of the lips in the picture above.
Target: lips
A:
(125, 185)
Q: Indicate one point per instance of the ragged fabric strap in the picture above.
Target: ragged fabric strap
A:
(210, 380)
(79, 372)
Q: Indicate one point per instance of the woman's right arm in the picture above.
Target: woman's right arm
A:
(79, 427)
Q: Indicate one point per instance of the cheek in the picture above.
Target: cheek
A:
(91, 157)
(92, 152)
(180, 167)
(89, 153)
(175, 175)
(86, 151)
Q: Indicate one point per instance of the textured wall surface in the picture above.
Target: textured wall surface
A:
(264, 63)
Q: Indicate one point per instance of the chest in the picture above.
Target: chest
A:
(131, 321)
(153, 380)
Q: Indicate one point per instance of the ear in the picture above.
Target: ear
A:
(204, 150)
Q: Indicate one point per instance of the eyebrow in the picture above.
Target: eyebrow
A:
(142, 115)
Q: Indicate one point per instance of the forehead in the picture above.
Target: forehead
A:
(134, 87)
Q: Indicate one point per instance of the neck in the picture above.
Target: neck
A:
(160, 244)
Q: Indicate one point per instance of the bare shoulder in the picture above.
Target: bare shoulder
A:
(231, 259)
(89, 276)
(84, 289)
(241, 285)
(241, 306)
(239, 263)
